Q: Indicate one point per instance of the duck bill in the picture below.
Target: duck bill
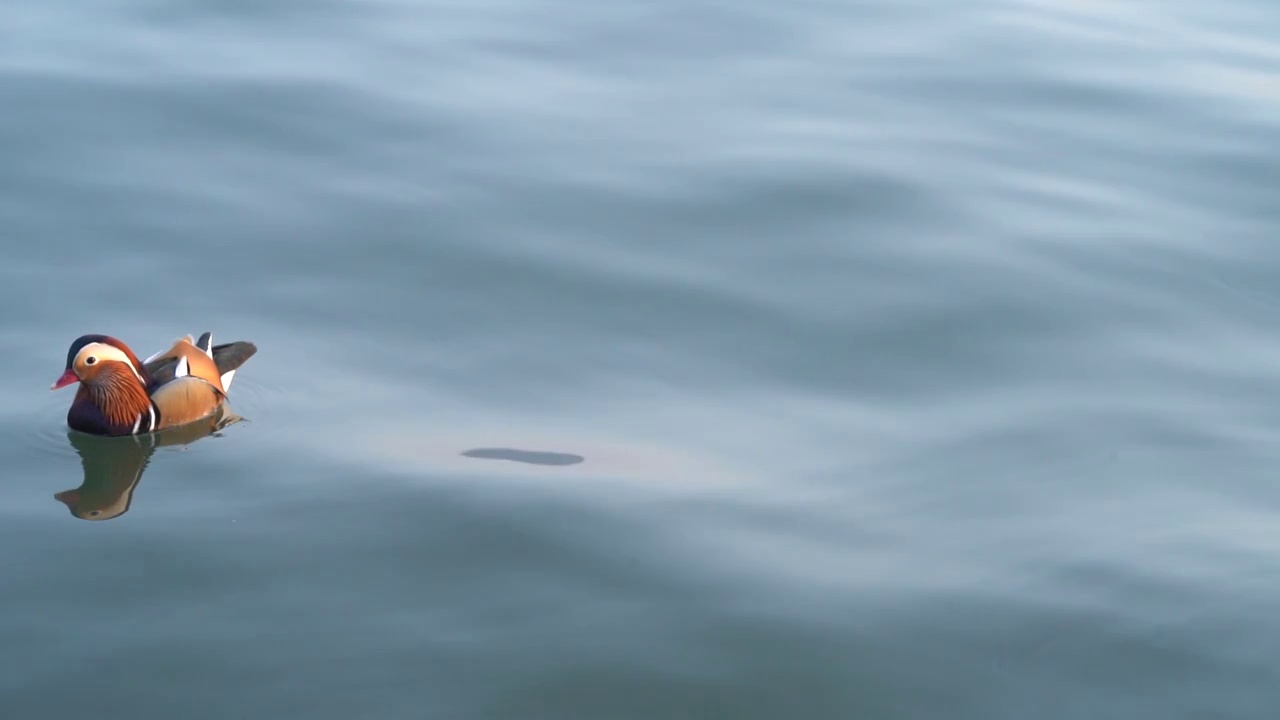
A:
(70, 498)
(66, 379)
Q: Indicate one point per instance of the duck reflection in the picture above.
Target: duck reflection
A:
(114, 465)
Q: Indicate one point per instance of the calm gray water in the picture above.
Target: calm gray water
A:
(864, 359)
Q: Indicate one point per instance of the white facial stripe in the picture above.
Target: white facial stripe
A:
(103, 351)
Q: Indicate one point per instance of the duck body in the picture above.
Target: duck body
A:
(122, 395)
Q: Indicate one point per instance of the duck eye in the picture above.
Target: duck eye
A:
(90, 360)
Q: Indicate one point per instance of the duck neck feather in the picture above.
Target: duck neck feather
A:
(119, 395)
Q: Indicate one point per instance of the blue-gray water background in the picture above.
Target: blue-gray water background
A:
(924, 357)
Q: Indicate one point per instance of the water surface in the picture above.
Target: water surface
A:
(633, 360)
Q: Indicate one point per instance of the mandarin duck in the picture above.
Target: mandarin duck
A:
(121, 395)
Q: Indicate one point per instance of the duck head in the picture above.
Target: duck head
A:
(112, 399)
(95, 358)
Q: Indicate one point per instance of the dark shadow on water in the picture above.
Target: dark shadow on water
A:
(113, 466)
(532, 457)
